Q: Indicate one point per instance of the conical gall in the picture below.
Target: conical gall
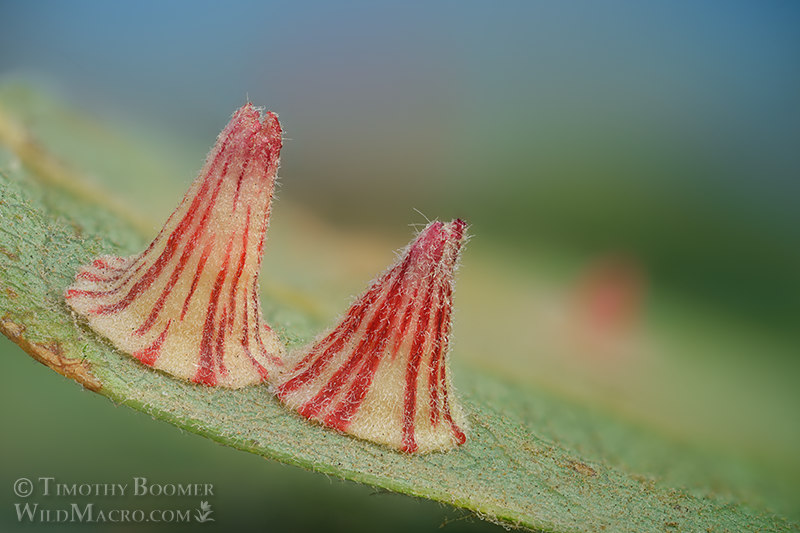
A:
(189, 303)
(382, 373)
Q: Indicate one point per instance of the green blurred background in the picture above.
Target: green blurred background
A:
(631, 173)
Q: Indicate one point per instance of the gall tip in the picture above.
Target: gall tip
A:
(260, 131)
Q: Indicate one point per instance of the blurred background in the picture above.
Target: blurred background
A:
(630, 171)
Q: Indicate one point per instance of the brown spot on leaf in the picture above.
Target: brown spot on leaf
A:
(582, 468)
(11, 293)
(10, 255)
(530, 448)
(52, 355)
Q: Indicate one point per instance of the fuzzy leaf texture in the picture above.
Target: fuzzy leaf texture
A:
(531, 460)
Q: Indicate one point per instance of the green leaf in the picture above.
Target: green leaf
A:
(532, 458)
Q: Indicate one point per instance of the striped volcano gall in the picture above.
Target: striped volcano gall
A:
(381, 374)
(189, 304)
